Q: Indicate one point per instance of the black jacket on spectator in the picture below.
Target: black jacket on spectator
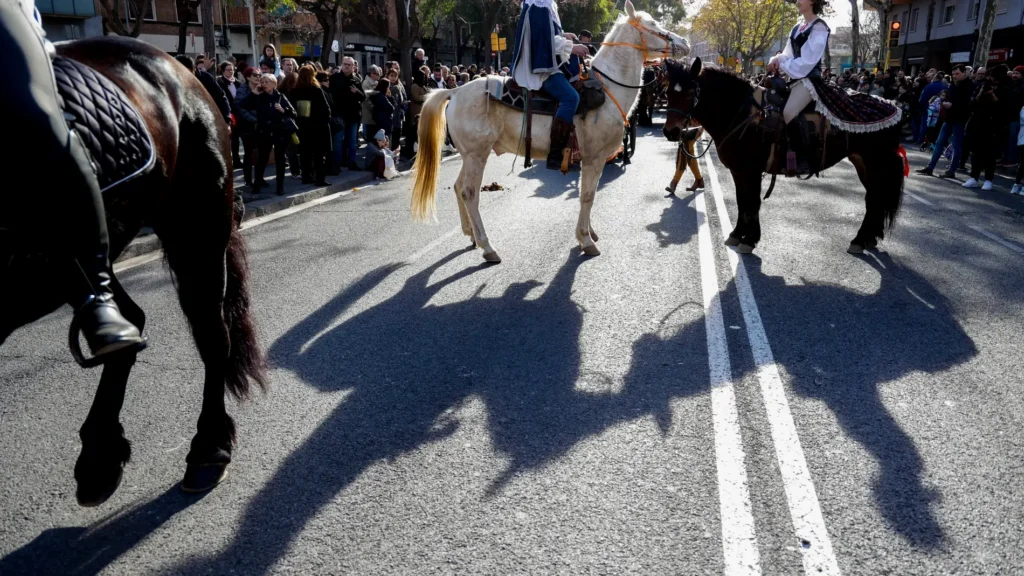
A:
(244, 108)
(314, 129)
(270, 122)
(383, 112)
(960, 97)
(219, 98)
(348, 105)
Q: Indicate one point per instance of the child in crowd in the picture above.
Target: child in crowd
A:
(379, 152)
(935, 114)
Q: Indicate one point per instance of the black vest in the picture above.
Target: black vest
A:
(798, 39)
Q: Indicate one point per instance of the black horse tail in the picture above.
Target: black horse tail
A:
(246, 364)
(895, 171)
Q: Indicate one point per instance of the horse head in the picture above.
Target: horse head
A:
(683, 96)
(654, 38)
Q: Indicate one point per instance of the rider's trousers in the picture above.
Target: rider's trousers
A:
(65, 194)
(799, 98)
(568, 98)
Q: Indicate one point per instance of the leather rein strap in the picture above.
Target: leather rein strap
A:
(665, 52)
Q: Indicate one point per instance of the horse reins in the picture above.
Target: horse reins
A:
(665, 52)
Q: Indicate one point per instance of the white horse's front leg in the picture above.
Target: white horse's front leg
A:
(588, 190)
(473, 172)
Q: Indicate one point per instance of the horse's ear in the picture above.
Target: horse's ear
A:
(630, 10)
(695, 68)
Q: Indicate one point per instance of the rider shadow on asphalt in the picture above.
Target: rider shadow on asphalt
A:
(408, 363)
(521, 358)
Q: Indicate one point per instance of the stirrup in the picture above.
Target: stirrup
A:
(75, 345)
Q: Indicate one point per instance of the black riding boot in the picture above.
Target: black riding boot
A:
(96, 314)
(796, 158)
(560, 132)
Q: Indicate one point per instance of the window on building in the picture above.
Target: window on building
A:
(150, 14)
(948, 11)
(972, 13)
(913, 20)
(1002, 6)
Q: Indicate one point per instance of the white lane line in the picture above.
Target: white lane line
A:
(804, 509)
(739, 543)
(157, 255)
(992, 236)
(924, 201)
(437, 242)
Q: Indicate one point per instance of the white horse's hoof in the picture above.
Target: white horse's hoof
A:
(745, 249)
(492, 257)
(855, 248)
(591, 250)
(732, 241)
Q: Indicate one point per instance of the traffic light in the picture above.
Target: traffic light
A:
(894, 34)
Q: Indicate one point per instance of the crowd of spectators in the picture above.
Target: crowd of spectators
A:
(310, 116)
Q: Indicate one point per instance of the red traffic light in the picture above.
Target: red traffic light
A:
(894, 26)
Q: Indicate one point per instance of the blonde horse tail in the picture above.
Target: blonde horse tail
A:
(428, 159)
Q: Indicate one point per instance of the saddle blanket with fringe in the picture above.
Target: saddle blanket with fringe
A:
(852, 111)
(108, 124)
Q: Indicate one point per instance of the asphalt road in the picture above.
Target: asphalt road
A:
(665, 408)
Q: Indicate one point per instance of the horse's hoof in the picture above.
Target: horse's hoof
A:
(591, 250)
(745, 249)
(492, 257)
(593, 235)
(855, 248)
(732, 241)
(89, 496)
(203, 477)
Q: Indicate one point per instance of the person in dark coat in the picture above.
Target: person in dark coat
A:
(272, 130)
(347, 91)
(230, 85)
(244, 109)
(208, 82)
(383, 107)
(401, 101)
(314, 119)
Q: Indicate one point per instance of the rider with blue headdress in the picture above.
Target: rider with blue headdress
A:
(541, 48)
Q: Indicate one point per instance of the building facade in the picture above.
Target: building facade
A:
(941, 33)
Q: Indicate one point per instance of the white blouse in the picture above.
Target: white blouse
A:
(811, 53)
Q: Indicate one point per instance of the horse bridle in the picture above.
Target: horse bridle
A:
(665, 52)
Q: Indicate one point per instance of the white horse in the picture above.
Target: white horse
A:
(478, 126)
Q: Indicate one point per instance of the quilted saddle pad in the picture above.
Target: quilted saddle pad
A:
(108, 124)
(509, 93)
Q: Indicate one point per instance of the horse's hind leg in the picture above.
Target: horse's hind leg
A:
(198, 264)
(471, 175)
(105, 450)
(467, 226)
(872, 228)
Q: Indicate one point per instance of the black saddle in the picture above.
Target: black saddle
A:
(511, 94)
(777, 94)
(99, 112)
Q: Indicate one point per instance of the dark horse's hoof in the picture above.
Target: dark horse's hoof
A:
(855, 248)
(732, 241)
(745, 249)
(203, 477)
(95, 492)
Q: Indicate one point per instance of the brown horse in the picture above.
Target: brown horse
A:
(188, 199)
(723, 104)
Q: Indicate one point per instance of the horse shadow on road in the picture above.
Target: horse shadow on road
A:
(408, 363)
(840, 346)
(89, 550)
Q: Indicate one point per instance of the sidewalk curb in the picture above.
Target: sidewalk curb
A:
(149, 243)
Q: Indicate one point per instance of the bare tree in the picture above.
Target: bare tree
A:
(985, 33)
(209, 40)
(116, 21)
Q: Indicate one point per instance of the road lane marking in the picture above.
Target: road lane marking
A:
(996, 238)
(739, 544)
(924, 201)
(804, 509)
(159, 254)
(437, 242)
